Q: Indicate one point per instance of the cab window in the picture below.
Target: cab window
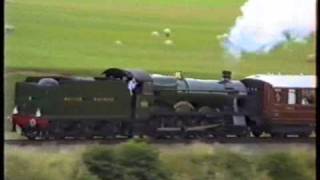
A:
(182, 85)
(147, 88)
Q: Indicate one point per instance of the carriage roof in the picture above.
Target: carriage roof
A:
(286, 81)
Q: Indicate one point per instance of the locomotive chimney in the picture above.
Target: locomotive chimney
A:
(226, 76)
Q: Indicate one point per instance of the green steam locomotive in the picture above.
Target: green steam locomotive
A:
(131, 102)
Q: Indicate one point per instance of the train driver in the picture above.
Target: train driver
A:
(132, 86)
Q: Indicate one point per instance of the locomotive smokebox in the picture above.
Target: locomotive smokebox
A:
(226, 75)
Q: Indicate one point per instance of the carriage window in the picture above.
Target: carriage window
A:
(278, 95)
(291, 96)
(307, 97)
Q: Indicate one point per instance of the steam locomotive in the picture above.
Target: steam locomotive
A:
(158, 106)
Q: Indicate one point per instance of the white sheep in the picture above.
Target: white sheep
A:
(118, 42)
(167, 32)
(222, 36)
(168, 42)
(9, 28)
(311, 57)
(155, 33)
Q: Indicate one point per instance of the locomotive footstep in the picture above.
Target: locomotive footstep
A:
(231, 136)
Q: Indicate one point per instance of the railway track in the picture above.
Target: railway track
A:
(230, 140)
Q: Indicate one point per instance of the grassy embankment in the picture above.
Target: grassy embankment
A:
(180, 162)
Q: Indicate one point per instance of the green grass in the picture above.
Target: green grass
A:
(56, 35)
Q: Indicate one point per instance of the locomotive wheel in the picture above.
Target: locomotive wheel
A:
(108, 129)
(304, 134)
(45, 134)
(127, 130)
(278, 135)
(244, 134)
(57, 132)
(183, 106)
(130, 135)
(88, 131)
(204, 133)
(59, 136)
(151, 128)
(256, 132)
(190, 136)
(78, 130)
(205, 110)
(31, 133)
(219, 134)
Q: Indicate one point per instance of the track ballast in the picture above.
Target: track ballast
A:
(224, 140)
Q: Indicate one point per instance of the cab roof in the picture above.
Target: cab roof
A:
(139, 75)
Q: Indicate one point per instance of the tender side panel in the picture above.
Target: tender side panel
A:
(97, 99)
(28, 97)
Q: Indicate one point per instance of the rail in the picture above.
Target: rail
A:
(224, 140)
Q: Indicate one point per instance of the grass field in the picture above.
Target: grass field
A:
(78, 37)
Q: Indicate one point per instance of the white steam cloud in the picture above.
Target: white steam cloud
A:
(266, 24)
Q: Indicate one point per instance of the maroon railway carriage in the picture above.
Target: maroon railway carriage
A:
(281, 104)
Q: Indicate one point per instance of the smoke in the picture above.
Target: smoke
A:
(266, 24)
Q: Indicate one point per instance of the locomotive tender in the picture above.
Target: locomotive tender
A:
(163, 106)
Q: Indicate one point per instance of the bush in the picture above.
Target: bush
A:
(281, 165)
(103, 163)
(230, 165)
(25, 164)
(204, 163)
(140, 161)
(130, 161)
(185, 165)
(308, 160)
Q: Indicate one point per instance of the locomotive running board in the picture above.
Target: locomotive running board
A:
(194, 128)
(200, 128)
(168, 129)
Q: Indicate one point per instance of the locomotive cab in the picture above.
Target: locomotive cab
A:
(142, 96)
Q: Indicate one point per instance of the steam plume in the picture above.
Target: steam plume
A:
(266, 24)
